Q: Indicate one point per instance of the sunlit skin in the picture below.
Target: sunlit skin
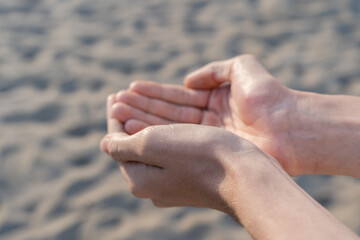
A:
(301, 130)
(203, 166)
(255, 106)
(237, 147)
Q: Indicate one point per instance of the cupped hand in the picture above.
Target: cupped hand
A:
(254, 106)
(181, 164)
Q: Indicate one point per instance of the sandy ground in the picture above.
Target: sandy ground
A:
(60, 59)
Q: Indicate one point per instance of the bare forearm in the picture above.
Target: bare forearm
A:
(271, 206)
(326, 133)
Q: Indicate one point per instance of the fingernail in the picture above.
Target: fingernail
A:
(104, 144)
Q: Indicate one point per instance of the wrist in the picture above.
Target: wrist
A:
(324, 132)
(245, 171)
(302, 132)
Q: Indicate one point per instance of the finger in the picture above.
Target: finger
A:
(171, 93)
(104, 143)
(143, 180)
(133, 126)
(170, 111)
(139, 173)
(123, 112)
(113, 125)
(248, 70)
(210, 76)
(244, 70)
(124, 148)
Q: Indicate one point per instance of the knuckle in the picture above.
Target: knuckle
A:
(147, 136)
(243, 61)
(214, 66)
(220, 70)
(246, 57)
(114, 150)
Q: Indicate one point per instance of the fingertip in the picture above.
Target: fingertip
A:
(136, 85)
(104, 144)
(111, 98)
(133, 84)
(119, 94)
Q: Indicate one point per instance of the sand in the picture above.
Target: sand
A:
(60, 59)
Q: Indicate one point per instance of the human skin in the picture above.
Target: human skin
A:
(306, 133)
(203, 166)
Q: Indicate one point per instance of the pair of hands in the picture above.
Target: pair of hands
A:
(223, 157)
(188, 164)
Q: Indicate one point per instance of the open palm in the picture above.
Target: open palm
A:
(254, 106)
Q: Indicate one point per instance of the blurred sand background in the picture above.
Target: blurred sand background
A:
(59, 59)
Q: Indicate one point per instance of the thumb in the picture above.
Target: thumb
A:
(210, 76)
(131, 148)
(247, 70)
(244, 69)
(109, 140)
